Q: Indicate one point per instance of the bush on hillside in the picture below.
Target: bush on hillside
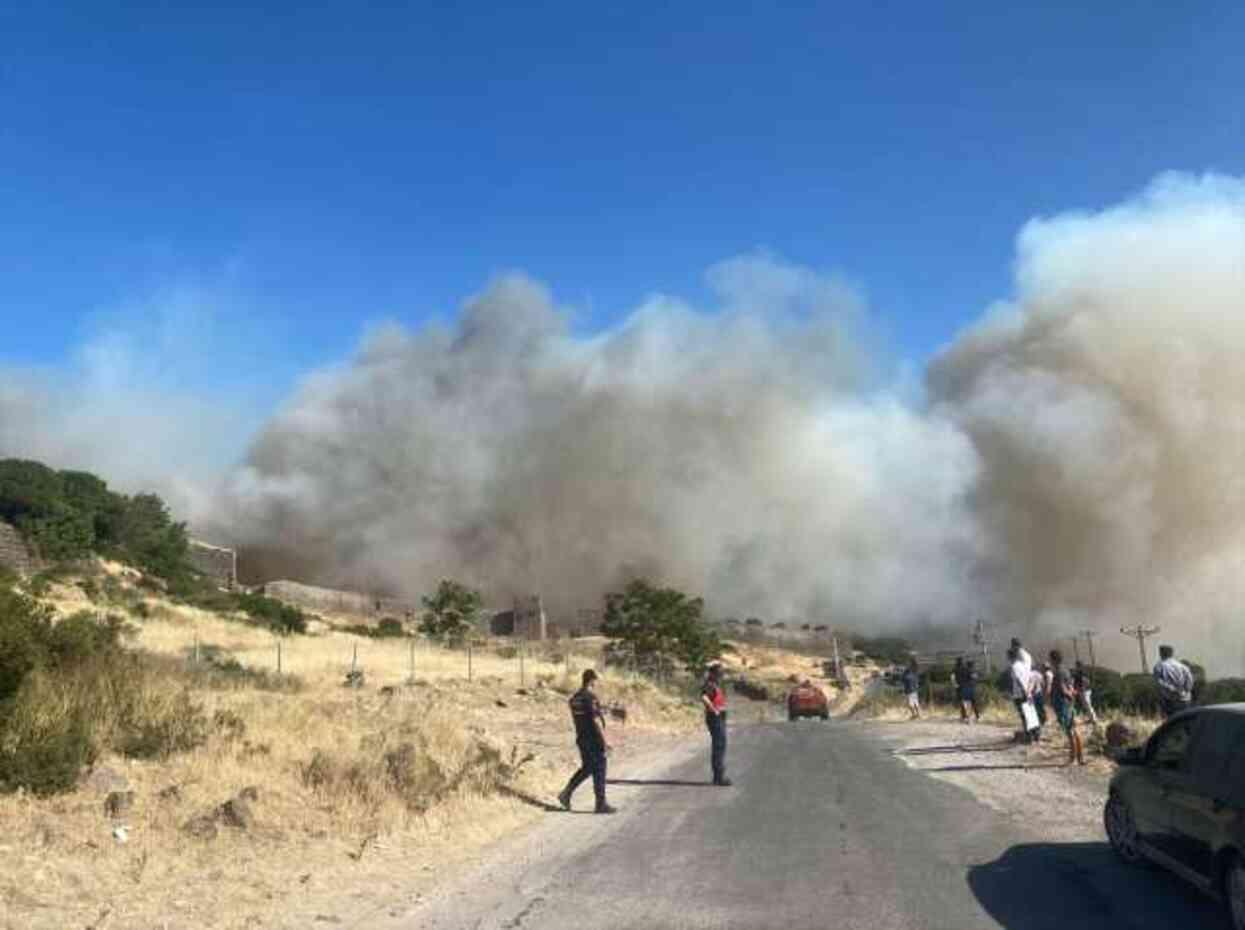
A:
(68, 689)
(276, 615)
(197, 591)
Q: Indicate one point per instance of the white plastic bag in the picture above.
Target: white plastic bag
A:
(1030, 715)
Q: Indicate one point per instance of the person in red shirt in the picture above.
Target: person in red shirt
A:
(713, 696)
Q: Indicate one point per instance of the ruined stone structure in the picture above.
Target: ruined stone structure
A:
(15, 555)
(525, 620)
(315, 598)
(217, 562)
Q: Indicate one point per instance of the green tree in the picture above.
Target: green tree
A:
(654, 623)
(451, 612)
(149, 537)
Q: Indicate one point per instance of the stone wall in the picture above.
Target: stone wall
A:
(315, 598)
(14, 553)
(216, 562)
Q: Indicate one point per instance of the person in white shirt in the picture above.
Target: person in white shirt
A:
(1021, 683)
(1022, 654)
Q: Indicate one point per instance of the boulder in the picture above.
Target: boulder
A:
(236, 813)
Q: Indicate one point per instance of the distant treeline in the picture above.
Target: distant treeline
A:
(67, 515)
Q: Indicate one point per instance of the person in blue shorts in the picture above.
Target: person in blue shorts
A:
(1063, 703)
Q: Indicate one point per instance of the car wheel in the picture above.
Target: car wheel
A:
(1122, 829)
(1234, 892)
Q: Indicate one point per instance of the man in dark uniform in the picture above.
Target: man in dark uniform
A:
(590, 738)
(713, 696)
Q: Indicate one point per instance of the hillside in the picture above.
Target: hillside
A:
(267, 793)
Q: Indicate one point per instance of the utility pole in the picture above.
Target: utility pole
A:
(1076, 648)
(1140, 633)
(838, 669)
(982, 638)
(1089, 639)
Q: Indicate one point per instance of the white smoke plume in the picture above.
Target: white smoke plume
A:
(1107, 403)
(746, 453)
(131, 401)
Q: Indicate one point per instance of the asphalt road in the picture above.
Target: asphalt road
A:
(824, 828)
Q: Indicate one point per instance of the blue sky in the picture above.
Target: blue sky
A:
(315, 168)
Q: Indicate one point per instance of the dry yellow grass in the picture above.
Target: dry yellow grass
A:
(403, 781)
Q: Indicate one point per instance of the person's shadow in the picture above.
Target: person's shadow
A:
(659, 782)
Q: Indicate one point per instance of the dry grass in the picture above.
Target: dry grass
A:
(350, 782)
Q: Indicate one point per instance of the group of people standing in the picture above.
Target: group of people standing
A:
(1066, 692)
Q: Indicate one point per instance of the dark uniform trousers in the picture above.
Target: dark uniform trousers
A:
(592, 765)
(717, 742)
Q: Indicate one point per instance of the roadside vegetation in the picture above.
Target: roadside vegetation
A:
(162, 739)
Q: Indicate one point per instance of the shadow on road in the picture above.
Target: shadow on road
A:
(659, 782)
(1083, 886)
(959, 747)
(1019, 767)
(528, 799)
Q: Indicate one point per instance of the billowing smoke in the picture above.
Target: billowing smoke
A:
(130, 402)
(1107, 404)
(1074, 460)
(748, 453)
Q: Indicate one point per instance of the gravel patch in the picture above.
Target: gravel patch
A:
(1030, 784)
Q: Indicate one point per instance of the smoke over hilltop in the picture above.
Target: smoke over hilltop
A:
(1075, 461)
(747, 454)
(1107, 405)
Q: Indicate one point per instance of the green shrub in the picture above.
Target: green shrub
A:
(1223, 691)
(390, 627)
(25, 628)
(40, 753)
(68, 689)
(276, 615)
(158, 727)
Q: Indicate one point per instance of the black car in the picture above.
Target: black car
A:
(1180, 802)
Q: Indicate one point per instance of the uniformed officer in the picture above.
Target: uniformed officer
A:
(590, 738)
(713, 696)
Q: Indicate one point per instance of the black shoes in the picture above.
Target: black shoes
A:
(565, 800)
(606, 809)
(723, 782)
